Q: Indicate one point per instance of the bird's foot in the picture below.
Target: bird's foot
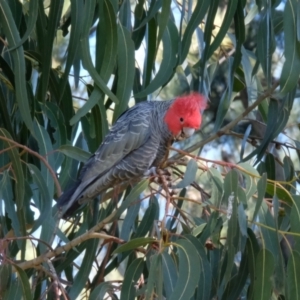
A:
(159, 175)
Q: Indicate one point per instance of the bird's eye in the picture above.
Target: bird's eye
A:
(181, 120)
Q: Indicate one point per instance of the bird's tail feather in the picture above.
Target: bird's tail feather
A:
(66, 196)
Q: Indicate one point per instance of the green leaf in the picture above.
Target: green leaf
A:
(222, 109)
(208, 33)
(74, 152)
(295, 221)
(230, 184)
(85, 270)
(270, 166)
(263, 273)
(88, 14)
(245, 140)
(6, 194)
(129, 220)
(269, 237)
(107, 41)
(23, 280)
(252, 249)
(217, 186)
(171, 222)
(17, 168)
(4, 112)
(170, 274)
(266, 44)
(138, 34)
(154, 272)
(163, 20)
(197, 230)
(235, 286)
(46, 36)
(280, 192)
(291, 67)
(32, 17)
(131, 277)
(133, 195)
(242, 219)
(58, 129)
(45, 149)
(76, 23)
(135, 243)
(293, 275)
(14, 290)
(13, 37)
(169, 60)
(155, 5)
(126, 70)
(227, 20)
(276, 122)
(196, 18)
(148, 220)
(44, 205)
(188, 271)
(205, 280)
(288, 167)
(95, 98)
(100, 291)
(150, 52)
(5, 275)
(189, 175)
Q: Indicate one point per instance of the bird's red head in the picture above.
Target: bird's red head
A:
(185, 113)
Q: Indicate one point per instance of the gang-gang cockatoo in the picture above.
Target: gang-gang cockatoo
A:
(135, 144)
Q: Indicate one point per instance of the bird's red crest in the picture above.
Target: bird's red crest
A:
(185, 112)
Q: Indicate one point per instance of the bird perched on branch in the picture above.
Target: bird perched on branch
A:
(135, 144)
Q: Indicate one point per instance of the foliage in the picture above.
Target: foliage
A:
(224, 230)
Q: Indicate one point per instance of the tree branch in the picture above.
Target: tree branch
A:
(88, 235)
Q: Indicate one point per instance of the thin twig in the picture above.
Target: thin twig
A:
(56, 182)
(88, 235)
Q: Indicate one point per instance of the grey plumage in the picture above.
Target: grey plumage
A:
(136, 142)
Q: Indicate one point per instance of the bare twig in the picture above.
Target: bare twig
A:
(57, 284)
(92, 233)
(56, 182)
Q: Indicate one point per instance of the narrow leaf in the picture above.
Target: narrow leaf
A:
(170, 273)
(135, 243)
(188, 272)
(293, 275)
(263, 270)
(88, 15)
(170, 46)
(74, 152)
(291, 68)
(189, 175)
(126, 70)
(13, 37)
(17, 168)
(131, 277)
(196, 18)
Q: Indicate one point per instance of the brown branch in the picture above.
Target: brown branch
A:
(56, 182)
(88, 235)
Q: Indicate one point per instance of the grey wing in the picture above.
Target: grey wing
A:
(130, 132)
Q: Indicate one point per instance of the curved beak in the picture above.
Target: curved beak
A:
(187, 131)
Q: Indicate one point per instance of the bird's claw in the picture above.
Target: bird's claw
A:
(160, 176)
